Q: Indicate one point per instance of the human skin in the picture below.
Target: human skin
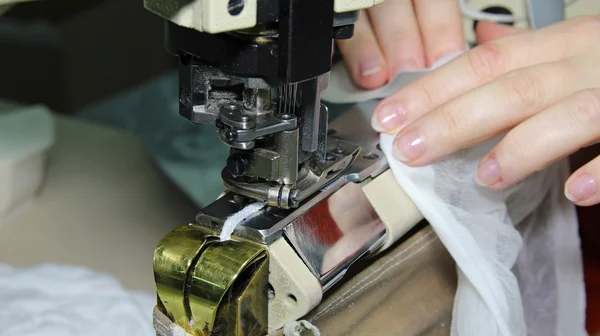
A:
(541, 88)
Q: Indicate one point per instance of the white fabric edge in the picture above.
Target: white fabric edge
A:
(569, 257)
(458, 249)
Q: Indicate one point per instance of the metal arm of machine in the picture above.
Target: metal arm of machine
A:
(255, 70)
(308, 249)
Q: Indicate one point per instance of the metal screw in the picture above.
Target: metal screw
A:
(370, 156)
(285, 116)
(338, 150)
(185, 97)
(294, 194)
(230, 135)
(329, 157)
(237, 199)
(237, 164)
(230, 107)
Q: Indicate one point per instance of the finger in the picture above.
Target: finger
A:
(363, 57)
(398, 34)
(487, 31)
(544, 139)
(489, 110)
(583, 187)
(441, 27)
(475, 68)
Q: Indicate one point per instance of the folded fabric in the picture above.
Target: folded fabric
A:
(517, 251)
(342, 90)
(52, 300)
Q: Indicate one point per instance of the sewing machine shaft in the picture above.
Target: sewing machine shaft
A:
(260, 86)
(255, 70)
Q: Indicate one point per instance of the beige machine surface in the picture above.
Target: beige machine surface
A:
(214, 16)
(103, 204)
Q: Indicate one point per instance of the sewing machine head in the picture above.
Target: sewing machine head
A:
(256, 69)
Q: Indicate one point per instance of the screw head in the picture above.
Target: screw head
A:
(370, 156)
(237, 164)
(237, 199)
(294, 194)
(329, 157)
(338, 150)
(185, 98)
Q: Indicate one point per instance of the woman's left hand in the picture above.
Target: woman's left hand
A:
(542, 86)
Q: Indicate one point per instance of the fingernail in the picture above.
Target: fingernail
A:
(388, 118)
(581, 188)
(370, 66)
(406, 65)
(488, 172)
(409, 147)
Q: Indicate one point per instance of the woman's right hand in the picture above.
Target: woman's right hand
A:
(400, 35)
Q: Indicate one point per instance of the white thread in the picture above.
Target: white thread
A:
(236, 219)
(297, 327)
(178, 331)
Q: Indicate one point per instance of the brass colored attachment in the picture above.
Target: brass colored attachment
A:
(209, 287)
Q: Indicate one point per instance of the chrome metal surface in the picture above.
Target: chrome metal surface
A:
(286, 145)
(313, 176)
(328, 244)
(269, 126)
(336, 232)
(310, 112)
(257, 100)
(277, 135)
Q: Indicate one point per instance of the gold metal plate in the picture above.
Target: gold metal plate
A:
(210, 287)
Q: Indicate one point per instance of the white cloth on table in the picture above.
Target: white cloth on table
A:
(54, 300)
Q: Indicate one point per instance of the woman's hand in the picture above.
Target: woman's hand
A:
(400, 35)
(543, 87)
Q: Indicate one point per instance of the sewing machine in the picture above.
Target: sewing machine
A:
(255, 70)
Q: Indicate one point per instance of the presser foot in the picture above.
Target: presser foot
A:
(313, 175)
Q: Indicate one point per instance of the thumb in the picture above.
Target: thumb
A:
(487, 31)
